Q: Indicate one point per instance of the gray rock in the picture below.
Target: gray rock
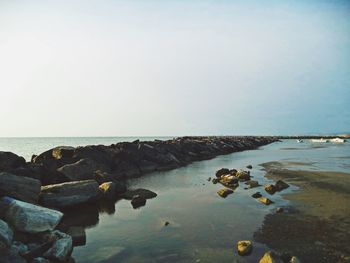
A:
(69, 194)
(81, 170)
(6, 235)
(19, 247)
(61, 248)
(30, 218)
(19, 187)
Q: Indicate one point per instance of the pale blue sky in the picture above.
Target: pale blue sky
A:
(121, 68)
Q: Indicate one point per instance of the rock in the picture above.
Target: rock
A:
(256, 195)
(61, 248)
(69, 194)
(166, 223)
(244, 247)
(280, 185)
(78, 235)
(81, 170)
(63, 152)
(6, 235)
(11, 256)
(103, 177)
(243, 175)
(209, 179)
(229, 180)
(270, 257)
(294, 259)
(279, 209)
(215, 180)
(270, 188)
(252, 183)
(19, 247)
(144, 193)
(221, 172)
(265, 200)
(21, 188)
(249, 166)
(138, 201)
(30, 218)
(37, 250)
(108, 190)
(9, 160)
(224, 192)
(40, 260)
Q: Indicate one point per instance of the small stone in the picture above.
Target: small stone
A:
(224, 192)
(166, 223)
(209, 179)
(279, 209)
(221, 172)
(244, 247)
(249, 166)
(270, 257)
(270, 188)
(265, 200)
(256, 195)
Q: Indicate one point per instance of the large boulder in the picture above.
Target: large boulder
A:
(81, 170)
(29, 218)
(69, 194)
(9, 160)
(19, 187)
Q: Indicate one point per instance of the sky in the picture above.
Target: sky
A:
(172, 68)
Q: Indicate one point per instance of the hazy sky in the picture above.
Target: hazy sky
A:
(117, 68)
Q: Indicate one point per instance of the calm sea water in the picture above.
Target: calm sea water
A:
(203, 226)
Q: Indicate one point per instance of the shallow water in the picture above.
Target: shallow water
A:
(203, 226)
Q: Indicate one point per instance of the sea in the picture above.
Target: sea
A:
(203, 227)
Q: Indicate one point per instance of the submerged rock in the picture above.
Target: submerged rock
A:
(252, 184)
(138, 201)
(280, 185)
(146, 194)
(244, 247)
(256, 195)
(265, 200)
(224, 192)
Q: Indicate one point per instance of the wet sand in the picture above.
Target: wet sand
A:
(316, 225)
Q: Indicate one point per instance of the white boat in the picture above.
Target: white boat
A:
(319, 140)
(337, 140)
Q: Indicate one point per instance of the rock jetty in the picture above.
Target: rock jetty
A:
(41, 193)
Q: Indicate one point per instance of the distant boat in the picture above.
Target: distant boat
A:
(337, 140)
(300, 141)
(319, 140)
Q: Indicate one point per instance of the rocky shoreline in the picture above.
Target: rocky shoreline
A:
(39, 192)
